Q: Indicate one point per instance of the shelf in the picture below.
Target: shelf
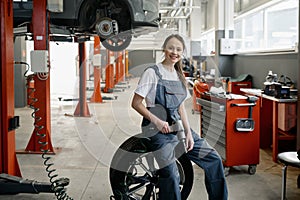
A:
(286, 135)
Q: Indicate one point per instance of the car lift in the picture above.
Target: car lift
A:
(96, 96)
(40, 29)
(11, 181)
(120, 69)
(82, 109)
(9, 122)
(114, 73)
(10, 175)
(109, 74)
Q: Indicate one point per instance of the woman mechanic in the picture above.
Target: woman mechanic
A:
(164, 89)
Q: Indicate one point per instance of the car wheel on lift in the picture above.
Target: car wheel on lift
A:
(252, 169)
(118, 42)
(106, 27)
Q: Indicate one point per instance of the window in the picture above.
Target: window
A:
(282, 25)
(269, 28)
(208, 43)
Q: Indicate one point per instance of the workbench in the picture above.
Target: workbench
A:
(270, 133)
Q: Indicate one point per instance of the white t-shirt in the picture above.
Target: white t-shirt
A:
(147, 83)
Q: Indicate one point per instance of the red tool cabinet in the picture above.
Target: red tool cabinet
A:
(230, 123)
(242, 81)
(234, 87)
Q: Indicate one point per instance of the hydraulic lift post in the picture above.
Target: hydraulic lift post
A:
(8, 160)
(117, 66)
(82, 109)
(10, 175)
(126, 64)
(109, 74)
(122, 70)
(96, 97)
(42, 86)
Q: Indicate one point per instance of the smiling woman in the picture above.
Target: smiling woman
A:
(115, 21)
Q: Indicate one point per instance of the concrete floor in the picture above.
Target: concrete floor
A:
(85, 145)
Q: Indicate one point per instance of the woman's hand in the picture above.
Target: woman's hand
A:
(189, 141)
(137, 104)
(162, 126)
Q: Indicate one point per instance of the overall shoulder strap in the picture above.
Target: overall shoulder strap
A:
(155, 67)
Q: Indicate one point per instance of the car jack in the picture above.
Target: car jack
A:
(13, 185)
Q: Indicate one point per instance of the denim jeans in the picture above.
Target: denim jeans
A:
(162, 146)
(209, 160)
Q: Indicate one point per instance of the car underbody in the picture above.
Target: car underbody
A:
(114, 21)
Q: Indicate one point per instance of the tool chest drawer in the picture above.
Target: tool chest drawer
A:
(213, 118)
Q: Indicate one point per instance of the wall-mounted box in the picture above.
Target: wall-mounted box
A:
(56, 6)
(39, 61)
(97, 60)
(227, 46)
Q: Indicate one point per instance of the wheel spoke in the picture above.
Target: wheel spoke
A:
(138, 179)
(137, 188)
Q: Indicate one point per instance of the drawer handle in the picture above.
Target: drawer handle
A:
(243, 104)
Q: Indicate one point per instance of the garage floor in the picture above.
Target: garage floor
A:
(85, 145)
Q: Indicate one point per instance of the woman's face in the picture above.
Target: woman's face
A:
(173, 50)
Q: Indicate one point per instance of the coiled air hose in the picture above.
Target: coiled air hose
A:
(58, 185)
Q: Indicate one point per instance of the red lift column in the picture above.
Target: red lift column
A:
(117, 66)
(96, 97)
(8, 159)
(109, 74)
(126, 64)
(122, 70)
(82, 109)
(42, 86)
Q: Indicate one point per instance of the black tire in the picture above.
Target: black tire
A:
(126, 174)
(118, 42)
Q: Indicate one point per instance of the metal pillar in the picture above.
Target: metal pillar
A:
(117, 66)
(82, 109)
(109, 81)
(109, 74)
(126, 64)
(8, 160)
(41, 85)
(122, 70)
(96, 97)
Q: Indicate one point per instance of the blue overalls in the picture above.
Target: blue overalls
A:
(169, 96)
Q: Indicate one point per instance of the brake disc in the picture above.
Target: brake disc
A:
(106, 27)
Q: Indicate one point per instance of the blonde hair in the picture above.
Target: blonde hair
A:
(178, 65)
